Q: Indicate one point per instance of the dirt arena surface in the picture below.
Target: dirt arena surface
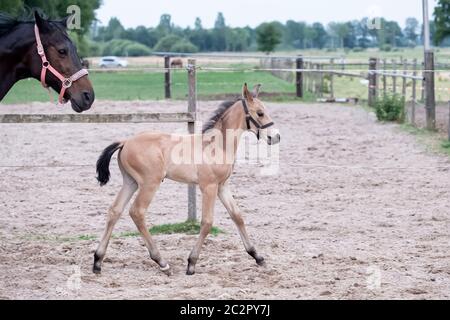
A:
(339, 221)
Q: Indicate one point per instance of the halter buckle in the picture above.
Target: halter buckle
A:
(67, 83)
(45, 64)
(40, 50)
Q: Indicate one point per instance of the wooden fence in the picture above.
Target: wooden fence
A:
(188, 117)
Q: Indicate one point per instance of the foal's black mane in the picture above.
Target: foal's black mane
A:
(218, 114)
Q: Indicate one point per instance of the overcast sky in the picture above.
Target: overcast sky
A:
(253, 12)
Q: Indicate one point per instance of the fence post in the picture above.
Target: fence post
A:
(332, 78)
(394, 77)
(405, 72)
(321, 82)
(168, 93)
(414, 94)
(372, 81)
(430, 97)
(299, 77)
(449, 120)
(422, 93)
(384, 78)
(192, 107)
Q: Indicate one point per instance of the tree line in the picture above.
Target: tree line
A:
(166, 36)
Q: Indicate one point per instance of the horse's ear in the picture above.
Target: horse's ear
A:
(256, 91)
(246, 94)
(41, 22)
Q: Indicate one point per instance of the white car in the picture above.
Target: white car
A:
(112, 62)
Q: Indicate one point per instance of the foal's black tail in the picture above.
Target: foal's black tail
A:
(103, 174)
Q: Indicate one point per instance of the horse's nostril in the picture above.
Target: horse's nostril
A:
(87, 96)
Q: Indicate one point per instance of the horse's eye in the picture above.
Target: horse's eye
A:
(260, 114)
(62, 52)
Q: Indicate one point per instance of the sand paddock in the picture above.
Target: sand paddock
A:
(351, 228)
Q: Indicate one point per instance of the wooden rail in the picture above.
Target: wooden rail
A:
(188, 117)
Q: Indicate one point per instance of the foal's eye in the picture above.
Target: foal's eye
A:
(62, 52)
(260, 114)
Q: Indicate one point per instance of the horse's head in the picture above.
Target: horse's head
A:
(62, 55)
(258, 118)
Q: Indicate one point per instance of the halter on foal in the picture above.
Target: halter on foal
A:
(149, 158)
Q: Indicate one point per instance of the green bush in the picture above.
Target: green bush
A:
(138, 50)
(125, 48)
(358, 49)
(95, 49)
(386, 48)
(166, 43)
(173, 43)
(184, 46)
(391, 108)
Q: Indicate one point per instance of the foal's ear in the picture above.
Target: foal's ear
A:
(41, 22)
(256, 90)
(246, 94)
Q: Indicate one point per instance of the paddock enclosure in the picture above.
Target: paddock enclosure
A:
(359, 210)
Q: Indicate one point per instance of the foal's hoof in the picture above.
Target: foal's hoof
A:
(97, 270)
(190, 270)
(260, 262)
(167, 270)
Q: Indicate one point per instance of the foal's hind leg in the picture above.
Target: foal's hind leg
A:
(137, 213)
(115, 211)
(230, 204)
(209, 194)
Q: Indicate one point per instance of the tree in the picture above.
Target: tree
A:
(12, 7)
(412, 26)
(220, 33)
(198, 24)
(268, 37)
(295, 34)
(320, 35)
(442, 21)
(55, 9)
(339, 31)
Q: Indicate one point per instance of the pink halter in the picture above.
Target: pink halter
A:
(65, 82)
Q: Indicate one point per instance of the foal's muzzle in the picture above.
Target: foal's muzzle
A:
(273, 140)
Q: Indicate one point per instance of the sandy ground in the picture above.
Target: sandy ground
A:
(355, 227)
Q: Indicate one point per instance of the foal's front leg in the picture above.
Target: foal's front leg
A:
(209, 195)
(230, 204)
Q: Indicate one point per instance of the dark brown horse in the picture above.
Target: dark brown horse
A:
(19, 59)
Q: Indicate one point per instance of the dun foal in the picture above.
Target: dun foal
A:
(206, 160)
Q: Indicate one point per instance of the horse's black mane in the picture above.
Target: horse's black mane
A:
(218, 114)
(8, 22)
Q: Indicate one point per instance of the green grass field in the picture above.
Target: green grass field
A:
(150, 86)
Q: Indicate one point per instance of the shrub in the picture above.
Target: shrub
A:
(184, 46)
(138, 50)
(166, 43)
(358, 49)
(391, 108)
(95, 49)
(386, 48)
(122, 48)
(173, 43)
